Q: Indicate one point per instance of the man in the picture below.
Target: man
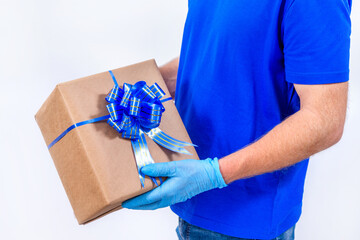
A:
(261, 85)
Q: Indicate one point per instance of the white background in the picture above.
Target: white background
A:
(44, 42)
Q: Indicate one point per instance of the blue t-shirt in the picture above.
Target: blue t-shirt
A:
(239, 61)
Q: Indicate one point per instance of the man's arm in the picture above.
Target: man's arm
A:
(169, 74)
(316, 126)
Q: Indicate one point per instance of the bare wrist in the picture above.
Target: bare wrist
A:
(226, 170)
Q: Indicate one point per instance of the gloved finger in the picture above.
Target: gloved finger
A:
(151, 206)
(167, 169)
(144, 199)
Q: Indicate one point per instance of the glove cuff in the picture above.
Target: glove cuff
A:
(220, 182)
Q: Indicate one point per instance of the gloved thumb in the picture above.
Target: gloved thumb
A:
(159, 169)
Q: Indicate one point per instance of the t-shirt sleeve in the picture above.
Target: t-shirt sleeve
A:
(316, 41)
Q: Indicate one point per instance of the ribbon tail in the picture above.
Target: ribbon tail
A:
(168, 142)
(139, 159)
(142, 157)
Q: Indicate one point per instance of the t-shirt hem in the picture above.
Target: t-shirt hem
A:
(234, 231)
(317, 78)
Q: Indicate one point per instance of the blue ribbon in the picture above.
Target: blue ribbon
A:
(136, 110)
(77, 125)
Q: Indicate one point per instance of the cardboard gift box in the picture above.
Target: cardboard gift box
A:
(96, 165)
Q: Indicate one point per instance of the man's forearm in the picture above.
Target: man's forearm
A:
(296, 138)
(169, 74)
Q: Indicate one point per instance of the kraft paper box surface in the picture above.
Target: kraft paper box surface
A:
(96, 165)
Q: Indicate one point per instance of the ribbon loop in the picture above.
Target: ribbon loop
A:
(135, 107)
(126, 96)
(114, 125)
(115, 94)
(143, 92)
(115, 111)
(156, 89)
(150, 115)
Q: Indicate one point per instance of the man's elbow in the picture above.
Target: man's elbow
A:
(334, 133)
(327, 129)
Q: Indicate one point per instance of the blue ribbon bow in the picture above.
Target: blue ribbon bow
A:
(136, 110)
(135, 107)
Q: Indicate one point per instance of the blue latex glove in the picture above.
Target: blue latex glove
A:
(186, 178)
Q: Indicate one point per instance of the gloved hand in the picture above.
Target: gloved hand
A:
(186, 178)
